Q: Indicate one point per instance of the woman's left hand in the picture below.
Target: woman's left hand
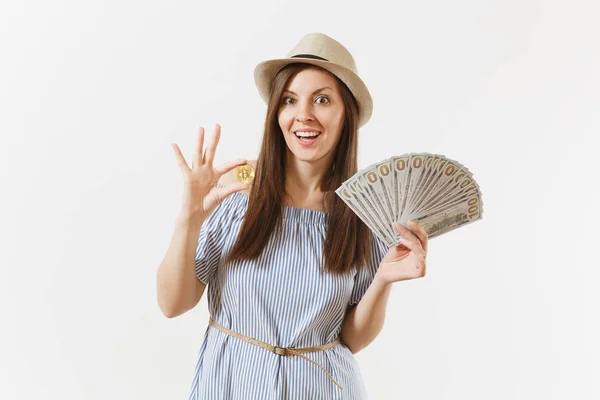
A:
(407, 260)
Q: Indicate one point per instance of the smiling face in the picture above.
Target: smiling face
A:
(312, 105)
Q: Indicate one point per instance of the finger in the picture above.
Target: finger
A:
(414, 246)
(420, 232)
(219, 194)
(405, 232)
(412, 243)
(228, 166)
(197, 156)
(183, 166)
(230, 189)
(209, 156)
(422, 263)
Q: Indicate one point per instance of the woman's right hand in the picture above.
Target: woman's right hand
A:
(200, 194)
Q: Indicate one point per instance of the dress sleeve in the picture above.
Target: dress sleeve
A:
(364, 277)
(211, 240)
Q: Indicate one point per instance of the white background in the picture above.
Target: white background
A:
(93, 93)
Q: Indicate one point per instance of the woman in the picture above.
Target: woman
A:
(296, 282)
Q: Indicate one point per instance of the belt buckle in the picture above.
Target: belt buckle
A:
(282, 351)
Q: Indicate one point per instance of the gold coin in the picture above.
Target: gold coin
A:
(245, 173)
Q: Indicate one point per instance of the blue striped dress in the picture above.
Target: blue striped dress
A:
(283, 298)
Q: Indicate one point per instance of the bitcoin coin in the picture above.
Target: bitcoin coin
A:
(245, 173)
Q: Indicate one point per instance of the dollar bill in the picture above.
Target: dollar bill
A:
(363, 213)
(438, 192)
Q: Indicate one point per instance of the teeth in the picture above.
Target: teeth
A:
(307, 134)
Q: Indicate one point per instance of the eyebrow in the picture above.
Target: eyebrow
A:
(315, 92)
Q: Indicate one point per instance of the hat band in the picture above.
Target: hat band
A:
(309, 56)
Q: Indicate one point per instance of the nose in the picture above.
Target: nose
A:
(304, 112)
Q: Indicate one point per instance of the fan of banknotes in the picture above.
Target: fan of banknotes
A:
(431, 189)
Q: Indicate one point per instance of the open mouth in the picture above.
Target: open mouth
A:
(307, 136)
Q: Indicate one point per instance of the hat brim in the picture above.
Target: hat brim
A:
(266, 70)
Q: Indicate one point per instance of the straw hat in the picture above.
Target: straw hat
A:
(323, 51)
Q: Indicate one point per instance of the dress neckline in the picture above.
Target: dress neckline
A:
(294, 213)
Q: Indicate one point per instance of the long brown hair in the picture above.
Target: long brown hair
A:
(348, 240)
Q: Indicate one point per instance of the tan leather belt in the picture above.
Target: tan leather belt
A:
(283, 351)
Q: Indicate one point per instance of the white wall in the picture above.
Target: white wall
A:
(93, 93)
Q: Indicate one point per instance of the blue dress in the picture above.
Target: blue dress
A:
(283, 298)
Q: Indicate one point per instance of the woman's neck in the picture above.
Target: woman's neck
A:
(303, 184)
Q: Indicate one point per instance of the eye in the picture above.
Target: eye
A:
(323, 97)
(285, 100)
